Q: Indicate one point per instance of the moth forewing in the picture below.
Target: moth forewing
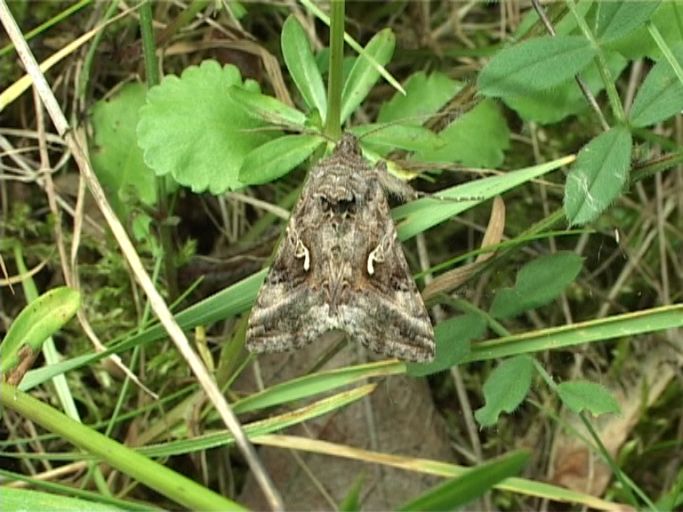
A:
(341, 266)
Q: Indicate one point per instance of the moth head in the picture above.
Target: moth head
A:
(343, 206)
(348, 145)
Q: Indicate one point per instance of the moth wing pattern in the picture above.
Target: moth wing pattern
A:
(286, 314)
(385, 312)
(340, 266)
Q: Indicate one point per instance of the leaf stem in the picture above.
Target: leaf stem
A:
(335, 78)
(605, 73)
(665, 49)
(148, 44)
(163, 210)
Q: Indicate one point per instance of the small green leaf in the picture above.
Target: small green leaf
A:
(425, 95)
(277, 157)
(384, 138)
(267, 109)
(617, 19)
(364, 73)
(598, 175)
(116, 158)
(475, 139)
(579, 395)
(505, 389)
(563, 100)
(535, 65)
(459, 491)
(302, 67)
(638, 43)
(453, 340)
(36, 322)
(192, 128)
(661, 94)
(538, 283)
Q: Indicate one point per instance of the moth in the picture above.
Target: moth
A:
(340, 267)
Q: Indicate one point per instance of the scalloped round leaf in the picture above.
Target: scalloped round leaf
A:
(192, 128)
(277, 157)
(116, 158)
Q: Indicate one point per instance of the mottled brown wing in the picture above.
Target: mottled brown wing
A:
(340, 266)
(386, 312)
(287, 313)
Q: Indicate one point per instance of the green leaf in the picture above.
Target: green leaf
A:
(116, 158)
(505, 389)
(267, 109)
(384, 138)
(598, 175)
(563, 100)
(475, 139)
(37, 321)
(277, 157)
(28, 499)
(459, 491)
(315, 383)
(617, 19)
(579, 395)
(639, 43)
(661, 94)
(425, 95)
(453, 341)
(425, 213)
(535, 65)
(364, 73)
(538, 283)
(192, 128)
(302, 67)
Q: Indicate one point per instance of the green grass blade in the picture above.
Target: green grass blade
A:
(174, 486)
(262, 427)
(473, 484)
(314, 384)
(628, 324)
(425, 213)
